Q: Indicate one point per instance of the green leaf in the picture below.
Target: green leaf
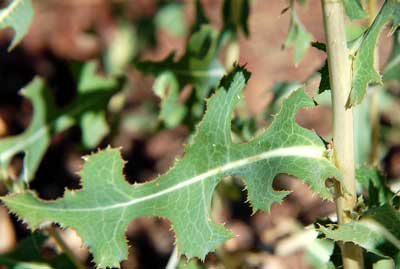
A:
(377, 231)
(199, 67)
(172, 110)
(171, 18)
(363, 65)
(354, 31)
(183, 195)
(298, 37)
(354, 9)
(392, 70)
(319, 252)
(123, 48)
(18, 15)
(87, 110)
(28, 255)
(372, 180)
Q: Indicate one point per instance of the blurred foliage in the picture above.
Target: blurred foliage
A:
(87, 110)
(171, 18)
(198, 67)
(29, 255)
(392, 70)
(298, 37)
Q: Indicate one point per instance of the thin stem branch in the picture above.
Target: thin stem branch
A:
(343, 134)
(53, 232)
(173, 259)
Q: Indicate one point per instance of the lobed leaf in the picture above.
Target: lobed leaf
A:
(18, 15)
(87, 110)
(101, 211)
(377, 231)
(363, 65)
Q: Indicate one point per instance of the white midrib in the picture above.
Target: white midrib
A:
(8, 10)
(299, 151)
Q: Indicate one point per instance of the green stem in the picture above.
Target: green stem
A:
(343, 134)
(53, 232)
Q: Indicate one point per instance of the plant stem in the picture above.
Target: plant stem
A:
(53, 232)
(343, 137)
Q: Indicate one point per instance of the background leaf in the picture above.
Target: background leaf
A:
(172, 110)
(87, 109)
(372, 180)
(171, 18)
(199, 67)
(377, 231)
(28, 255)
(363, 65)
(298, 37)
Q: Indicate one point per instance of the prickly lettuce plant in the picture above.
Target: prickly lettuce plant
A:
(365, 232)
